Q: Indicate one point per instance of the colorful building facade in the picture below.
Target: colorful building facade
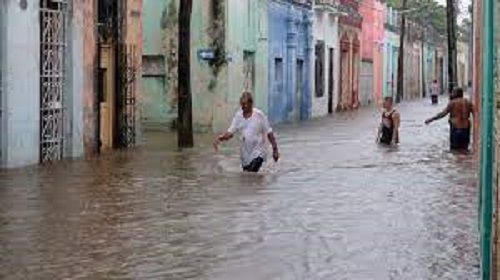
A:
(414, 48)
(290, 60)
(391, 51)
(326, 63)
(350, 25)
(64, 92)
(371, 74)
(229, 52)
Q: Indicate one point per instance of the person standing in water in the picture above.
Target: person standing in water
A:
(435, 91)
(388, 133)
(254, 128)
(460, 110)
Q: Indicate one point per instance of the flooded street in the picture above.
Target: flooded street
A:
(336, 207)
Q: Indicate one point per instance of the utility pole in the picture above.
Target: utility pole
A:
(423, 59)
(400, 84)
(451, 19)
(185, 114)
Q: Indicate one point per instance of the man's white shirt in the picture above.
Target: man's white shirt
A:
(253, 135)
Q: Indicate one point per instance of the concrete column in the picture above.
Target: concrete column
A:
(291, 57)
(306, 106)
(21, 84)
(350, 83)
(73, 95)
(477, 74)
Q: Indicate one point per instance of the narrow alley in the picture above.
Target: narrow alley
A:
(336, 207)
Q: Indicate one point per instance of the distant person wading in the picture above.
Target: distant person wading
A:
(435, 91)
(254, 129)
(388, 132)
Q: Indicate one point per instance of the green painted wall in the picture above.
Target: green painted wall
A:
(159, 82)
(237, 29)
(216, 92)
(153, 35)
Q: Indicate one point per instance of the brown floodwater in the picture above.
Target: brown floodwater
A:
(336, 207)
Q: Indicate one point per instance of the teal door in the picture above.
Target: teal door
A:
(157, 112)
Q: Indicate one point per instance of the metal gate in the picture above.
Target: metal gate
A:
(52, 50)
(126, 85)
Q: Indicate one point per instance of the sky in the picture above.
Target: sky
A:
(463, 7)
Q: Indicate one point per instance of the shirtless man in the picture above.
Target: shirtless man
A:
(460, 110)
(255, 131)
(388, 133)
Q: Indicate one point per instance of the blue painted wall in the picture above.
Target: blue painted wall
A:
(290, 43)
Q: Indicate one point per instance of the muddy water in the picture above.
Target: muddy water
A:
(336, 207)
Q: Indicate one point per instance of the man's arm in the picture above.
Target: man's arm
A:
(227, 135)
(274, 144)
(272, 139)
(440, 115)
(396, 120)
(471, 108)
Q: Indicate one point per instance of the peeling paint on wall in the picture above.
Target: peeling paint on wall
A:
(217, 34)
(170, 27)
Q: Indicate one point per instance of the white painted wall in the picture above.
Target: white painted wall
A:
(20, 63)
(325, 28)
(74, 88)
(21, 84)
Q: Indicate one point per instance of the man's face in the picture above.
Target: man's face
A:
(246, 105)
(387, 104)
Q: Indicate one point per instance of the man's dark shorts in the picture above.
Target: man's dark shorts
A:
(434, 99)
(459, 138)
(254, 166)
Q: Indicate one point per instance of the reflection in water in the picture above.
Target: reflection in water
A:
(337, 206)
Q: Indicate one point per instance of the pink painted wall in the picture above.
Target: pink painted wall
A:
(366, 8)
(378, 54)
(372, 38)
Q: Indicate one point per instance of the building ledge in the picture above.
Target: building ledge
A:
(328, 8)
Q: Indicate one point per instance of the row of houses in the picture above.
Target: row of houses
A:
(79, 77)
(301, 59)
(69, 78)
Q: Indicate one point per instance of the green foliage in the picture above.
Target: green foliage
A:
(425, 12)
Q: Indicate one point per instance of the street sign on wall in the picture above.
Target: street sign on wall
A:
(206, 54)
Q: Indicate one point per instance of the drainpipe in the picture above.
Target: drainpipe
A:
(422, 67)
(488, 107)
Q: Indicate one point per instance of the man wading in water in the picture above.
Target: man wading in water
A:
(460, 110)
(388, 132)
(435, 91)
(254, 128)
